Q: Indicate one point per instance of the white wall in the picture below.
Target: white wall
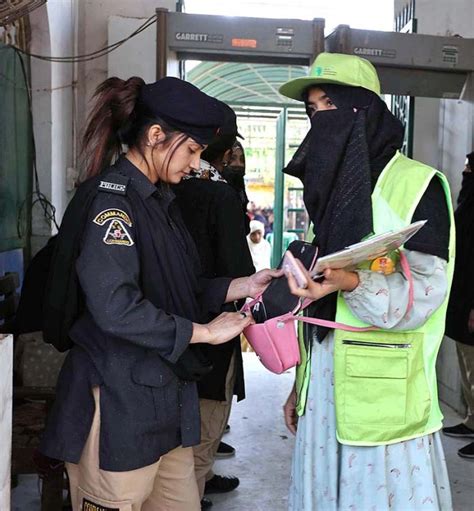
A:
(52, 27)
(93, 34)
(136, 57)
(41, 106)
(6, 378)
(62, 19)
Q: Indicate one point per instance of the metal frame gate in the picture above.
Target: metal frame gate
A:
(403, 107)
(408, 64)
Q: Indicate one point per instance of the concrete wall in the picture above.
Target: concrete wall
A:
(136, 57)
(53, 33)
(443, 136)
(93, 34)
(62, 18)
(41, 106)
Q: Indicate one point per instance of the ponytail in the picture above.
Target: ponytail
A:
(111, 115)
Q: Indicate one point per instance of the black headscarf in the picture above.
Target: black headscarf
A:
(339, 163)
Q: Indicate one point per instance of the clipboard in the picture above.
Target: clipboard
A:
(367, 250)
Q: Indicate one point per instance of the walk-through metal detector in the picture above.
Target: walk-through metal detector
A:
(237, 39)
(408, 64)
(242, 39)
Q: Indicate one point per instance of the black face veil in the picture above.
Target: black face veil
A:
(339, 162)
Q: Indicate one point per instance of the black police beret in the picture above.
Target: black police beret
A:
(229, 125)
(184, 107)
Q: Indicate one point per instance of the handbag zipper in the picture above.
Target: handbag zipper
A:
(376, 344)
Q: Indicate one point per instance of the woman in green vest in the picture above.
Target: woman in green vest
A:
(364, 407)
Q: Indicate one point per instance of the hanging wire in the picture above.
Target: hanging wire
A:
(37, 197)
(95, 54)
(49, 211)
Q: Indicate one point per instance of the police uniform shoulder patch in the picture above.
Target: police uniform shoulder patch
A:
(88, 505)
(114, 183)
(117, 234)
(112, 214)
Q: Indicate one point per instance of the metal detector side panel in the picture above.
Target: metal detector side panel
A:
(240, 38)
(421, 83)
(395, 49)
(410, 64)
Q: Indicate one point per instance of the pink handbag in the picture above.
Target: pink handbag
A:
(275, 341)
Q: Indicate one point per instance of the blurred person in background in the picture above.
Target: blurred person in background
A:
(460, 317)
(260, 249)
(233, 171)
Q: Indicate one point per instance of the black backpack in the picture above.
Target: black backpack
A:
(63, 300)
(29, 314)
(51, 298)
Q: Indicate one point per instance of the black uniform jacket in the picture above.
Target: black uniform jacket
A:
(139, 271)
(212, 212)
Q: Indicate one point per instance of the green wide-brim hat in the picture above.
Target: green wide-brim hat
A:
(337, 68)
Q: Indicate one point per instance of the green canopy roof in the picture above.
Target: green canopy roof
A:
(245, 84)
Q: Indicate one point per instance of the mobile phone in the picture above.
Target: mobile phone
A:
(290, 266)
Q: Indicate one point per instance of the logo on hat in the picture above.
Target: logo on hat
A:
(335, 68)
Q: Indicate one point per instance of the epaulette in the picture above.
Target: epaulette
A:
(114, 183)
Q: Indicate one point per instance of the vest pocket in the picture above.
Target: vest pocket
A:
(381, 389)
(373, 373)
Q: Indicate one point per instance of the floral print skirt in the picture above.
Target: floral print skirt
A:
(327, 475)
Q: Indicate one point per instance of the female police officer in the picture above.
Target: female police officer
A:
(127, 410)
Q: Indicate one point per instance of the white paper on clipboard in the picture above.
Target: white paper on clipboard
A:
(367, 250)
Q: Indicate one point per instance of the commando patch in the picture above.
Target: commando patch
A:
(117, 234)
(112, 214)
(87, 505)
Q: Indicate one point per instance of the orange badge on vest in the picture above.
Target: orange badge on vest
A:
(384, 265)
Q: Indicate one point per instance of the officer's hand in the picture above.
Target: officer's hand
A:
(222, 329)
(227, 326)
(258, 282)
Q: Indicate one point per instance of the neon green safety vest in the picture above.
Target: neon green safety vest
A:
(386, 394)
